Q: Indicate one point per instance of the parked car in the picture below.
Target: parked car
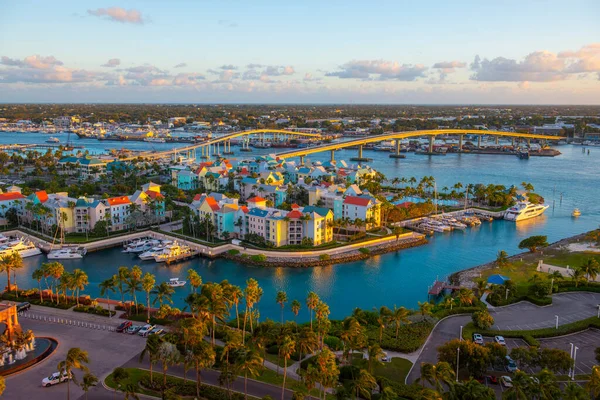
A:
(506, 381)
(145, 330)
(133, 329)
(123, 327)
(385, 358)
(500, 340)
(511, 365)
(493, 379)
(158, 331)
(477, 338)
(23, 306)
(55, 379)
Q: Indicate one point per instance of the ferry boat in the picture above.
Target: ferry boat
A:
(67, 253)
(25, 248)
(576, 213)
(52, 139)
(175, 282)
(524, 210)
(155, 140)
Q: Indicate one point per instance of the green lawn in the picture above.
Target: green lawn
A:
(395, 370)
(135, 375)
(519, 272)
(277, 360)
(570, 259)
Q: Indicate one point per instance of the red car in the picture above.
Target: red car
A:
(123, 327)
(493, 379)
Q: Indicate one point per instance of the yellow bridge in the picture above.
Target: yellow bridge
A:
(398, 136)
(212, 145)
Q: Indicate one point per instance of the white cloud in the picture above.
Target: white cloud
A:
(180, 65)
(113, 62)
(118, 14)
(380, 70)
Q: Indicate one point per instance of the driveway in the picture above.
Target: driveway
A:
(569, 307)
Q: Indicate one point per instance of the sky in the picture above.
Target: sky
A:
(230, 51)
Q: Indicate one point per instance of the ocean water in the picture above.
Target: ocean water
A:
(401, 278)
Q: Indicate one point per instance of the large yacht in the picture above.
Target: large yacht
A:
(24, 247)
(67, 253)
(524, 210)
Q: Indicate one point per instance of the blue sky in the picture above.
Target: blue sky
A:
(308, 51)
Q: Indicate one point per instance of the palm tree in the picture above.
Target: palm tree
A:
(249, 363)
(286, 349)
(364, 384)
(437, 374)
(162, 293)
(8, 263)
(573, 391)
(87, 382)
(130, 392)
(591, 267)
(119, 375)
(133, 284)
(203, 356)
(148, 282)
(107, 286)
(593, 385)
(79, 280)
(375, 354)
(151, 350)
(194, 279)
(519, 389)
(76, 359)
(400, 316)
(122, 278)
(252, 295)
(168, 355)
(235, 295)
(295, 305)
(38, 274)
(481, 285)
(306, 342)
(425, 308)
(502, 259)
(577, 274)
(312, 300)
(281, 299)
(465, 296)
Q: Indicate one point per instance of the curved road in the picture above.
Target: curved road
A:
(569, 307)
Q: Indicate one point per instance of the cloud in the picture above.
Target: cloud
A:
(187, 79)
(278, 70)
(227, 23)
(118, 14)
(539, 66)
(308, 77)
(449, 64)
(35, 61)
(113, 62)
(228, 66)
(180, 65)
(40, 69)
(380, 70)
(254, 66)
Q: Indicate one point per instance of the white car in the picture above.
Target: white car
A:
(145, 330)
(477, 338)
(55, 379)
(385, 357)
(500, 340)
(506, 381)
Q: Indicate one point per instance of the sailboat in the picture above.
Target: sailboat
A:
(65, 252)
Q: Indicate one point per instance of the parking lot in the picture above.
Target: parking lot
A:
(586, 341)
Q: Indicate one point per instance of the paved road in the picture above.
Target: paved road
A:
(569, 307)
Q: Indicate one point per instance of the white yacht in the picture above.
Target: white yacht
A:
(52, 139)
(174, 251)
(524, 210)
(67, 253)
(576, 213)
(154, 140)
(141, 246)
(152, 252)
(24, 247)
(175, 282)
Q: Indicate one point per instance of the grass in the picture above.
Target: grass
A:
(570, 259)
(135, 375)
(278, 360)
(396, 370)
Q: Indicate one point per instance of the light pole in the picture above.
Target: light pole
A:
(571, 355)
(598, 310)
(457, 361)
(556, 321)
(506, 297)
(574, 360)
(551, 285)
(460, 337)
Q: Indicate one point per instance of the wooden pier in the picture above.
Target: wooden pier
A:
(439, 286)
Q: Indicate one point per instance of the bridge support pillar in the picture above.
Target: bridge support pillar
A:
(301, 160)
(528, 142)
(360, 149)
(397, 152)
(460, 142)
(497, 140)
(513, 142)
(332, 155)
(431, 139)
(479, 141)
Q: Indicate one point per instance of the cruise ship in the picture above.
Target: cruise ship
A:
(524, 210)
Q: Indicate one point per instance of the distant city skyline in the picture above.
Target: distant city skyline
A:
(303, 52)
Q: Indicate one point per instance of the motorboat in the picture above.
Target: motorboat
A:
(154, 140)
(576, 213)
(52, 139)
(141, 246)
(67, 253)
(174, 251)
(524, 210)
(175, 282)
(152, 252)
(25, 248)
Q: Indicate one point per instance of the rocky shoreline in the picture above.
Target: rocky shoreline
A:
(467, 277)
(316, 261)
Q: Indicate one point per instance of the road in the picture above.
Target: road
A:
(569, 307)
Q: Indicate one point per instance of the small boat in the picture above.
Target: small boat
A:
(576, 213)
(67, 253)
(173, 252)
(523, 154)
(141, 246)
(154, 140)
(24, 247)
(52, 139)
(175, 282)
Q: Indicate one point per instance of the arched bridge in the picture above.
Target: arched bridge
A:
(398, 136)
(213, 144)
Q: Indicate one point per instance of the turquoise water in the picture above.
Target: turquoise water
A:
(400, 278)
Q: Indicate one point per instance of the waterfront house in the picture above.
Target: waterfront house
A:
(118, 209)
(84, 167)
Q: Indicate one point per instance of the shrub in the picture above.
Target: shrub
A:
(410, 337)
(258, 258)
(364, 250)
(540, 289)
(274, 349)
(333, 343)
(482, 319)
(324, 257)
(233, 252)
(188, 388)
(93, 310)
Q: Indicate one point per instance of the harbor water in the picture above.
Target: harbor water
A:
(401, 278)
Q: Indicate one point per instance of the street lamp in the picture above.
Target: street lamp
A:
(571, 356)
(598, 310)
(506, 297)
(457, 361)
(574, 360)
(460, 337)
(556, 321)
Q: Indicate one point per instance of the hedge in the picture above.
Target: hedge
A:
(531, 336)
(538, 301)
(458, 310)
(36, 300)
(93, 310)
(188, 388)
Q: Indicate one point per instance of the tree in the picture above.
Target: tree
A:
(593, 385)
(502, 259)
(168, 355)
(75, 359)
(38, 275)
(134, 284)
(295, 305)
(312, 300)
(573, 391)
(194, 279)
(374, 354)
(364, 384)
(591, 268)
(425, 309)
(203, 356)
(119, 375)
(80, 280)
(533, 242)
(400, 316)
(249, 363)
(107, 286)
(10, 263)
(437, 374)
(122, 278)
(281, 299)
(153, 343)
(286, 349)
(326, 369)
(87, 382)
(482, 319)
(519, 388)
(470, 390)
(148, 282)
(162, 293)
